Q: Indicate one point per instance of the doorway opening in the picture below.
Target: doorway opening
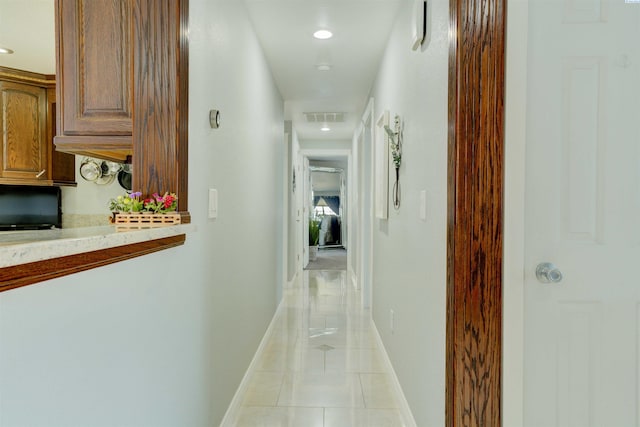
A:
(327, 249)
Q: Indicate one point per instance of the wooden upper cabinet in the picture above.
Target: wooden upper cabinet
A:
(123, 88)
(28, 125)
(94, 77)
(63, 165)
(23, 120)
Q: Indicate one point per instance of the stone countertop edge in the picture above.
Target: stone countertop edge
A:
(22, 247)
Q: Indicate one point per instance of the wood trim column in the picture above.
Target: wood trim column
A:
(475, 212)
(161, 98)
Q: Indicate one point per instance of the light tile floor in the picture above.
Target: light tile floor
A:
(321, 365)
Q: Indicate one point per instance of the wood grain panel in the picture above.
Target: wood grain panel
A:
(27, 274)
(63, 165)
(23, 123)
(94, 67)
(22, 130)
(60, 166)
(115, 148)
(104, 23)
(161, 96)
(21, 76)
(475, 212)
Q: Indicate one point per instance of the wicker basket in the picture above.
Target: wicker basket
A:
(142, 220)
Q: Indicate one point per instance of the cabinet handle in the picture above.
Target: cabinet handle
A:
(41, 173)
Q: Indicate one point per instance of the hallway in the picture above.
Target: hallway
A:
(179, 328)
(321, 365)
(329, 259)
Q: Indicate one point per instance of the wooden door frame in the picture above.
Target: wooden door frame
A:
(475, 212)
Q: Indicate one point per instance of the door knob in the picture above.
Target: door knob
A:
(548, 273)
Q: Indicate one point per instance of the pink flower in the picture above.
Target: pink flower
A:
(168, 200)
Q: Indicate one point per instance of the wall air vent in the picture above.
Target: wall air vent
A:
(324, 117)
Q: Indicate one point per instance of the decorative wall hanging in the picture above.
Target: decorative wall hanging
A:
(395, 145)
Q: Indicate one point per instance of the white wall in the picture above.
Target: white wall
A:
(409, 261)
(164, 340)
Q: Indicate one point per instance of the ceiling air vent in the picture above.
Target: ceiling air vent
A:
(324, 117)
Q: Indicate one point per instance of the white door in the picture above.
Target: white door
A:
(583, 213)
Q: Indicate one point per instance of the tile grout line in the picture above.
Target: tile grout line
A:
(280, 390)
(364, 401)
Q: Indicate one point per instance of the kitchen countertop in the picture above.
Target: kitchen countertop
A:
(21, 247)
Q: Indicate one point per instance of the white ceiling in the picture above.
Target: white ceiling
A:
(28, 28)
(361, 29)
(284, 27)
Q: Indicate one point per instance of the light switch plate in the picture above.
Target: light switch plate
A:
(423, 205)
(213, 203)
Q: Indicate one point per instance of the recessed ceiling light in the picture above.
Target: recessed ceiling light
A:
(323, 34)
(5, 50)
(324, 67)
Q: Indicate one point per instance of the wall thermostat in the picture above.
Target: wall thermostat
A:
(214, 119)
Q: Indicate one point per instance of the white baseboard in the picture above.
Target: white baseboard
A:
(290, 283)
(404, 409)
(236, 402)
(354, 278)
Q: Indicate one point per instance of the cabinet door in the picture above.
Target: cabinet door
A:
(63, 165)
(94, 68)
(23, 119)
